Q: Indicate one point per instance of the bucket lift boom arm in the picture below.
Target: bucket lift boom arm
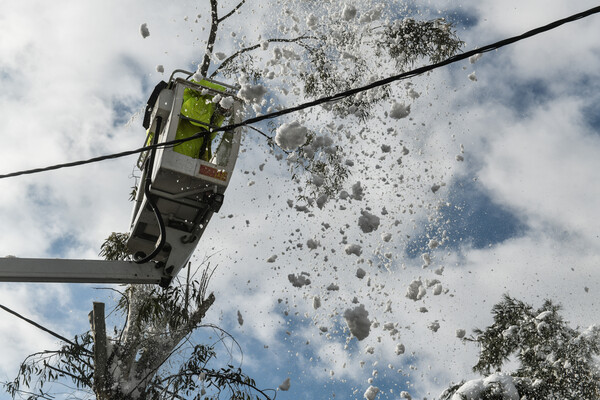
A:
(14, 269)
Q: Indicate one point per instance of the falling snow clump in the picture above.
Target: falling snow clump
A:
(416, 290)
(355, 249)
(299, 280)
(371, 393)
(240, 318)
(358, 321)
(285, 385)
(144, 30)
(333, 287)
(312, 244)
(226, 102)
(360, 273)
(399, 110)
(368, 222)
(357, 191)
(252, 93)
(400, 349)
(316, 302)
(434, 326)
(290, 136)
(473, 59)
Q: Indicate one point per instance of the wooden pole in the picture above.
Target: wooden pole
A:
(100, 352)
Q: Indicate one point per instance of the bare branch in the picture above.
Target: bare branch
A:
(33, 395)
(212, 36)
(238, 53)
(231, 12)
(80, 379)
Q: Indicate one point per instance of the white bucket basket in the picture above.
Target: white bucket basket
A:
(185, 189)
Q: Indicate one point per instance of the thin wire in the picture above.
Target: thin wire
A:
(56, 335)
(335, 97)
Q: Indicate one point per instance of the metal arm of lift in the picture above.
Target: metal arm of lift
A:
(14, 269)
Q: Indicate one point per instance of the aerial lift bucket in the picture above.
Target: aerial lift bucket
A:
(182, 190)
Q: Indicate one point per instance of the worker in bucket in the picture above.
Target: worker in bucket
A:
(202, 113)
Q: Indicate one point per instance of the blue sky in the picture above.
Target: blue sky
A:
(518, 215)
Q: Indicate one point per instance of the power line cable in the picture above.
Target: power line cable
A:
(327, 99)
(56, 335)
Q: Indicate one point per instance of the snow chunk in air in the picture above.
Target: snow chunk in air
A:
(226, 102)
(473, 59)
(416, 290)
(316, 302)
(285, 385)
(358, 321)
(357, 191)
(144, 31)
(399, 110)
(360, 273)
(290, 136)
(299, 280)
(355, 249)
(400, 349)
(368, 222)
(252, 93)
(312, 244)
(371, 393)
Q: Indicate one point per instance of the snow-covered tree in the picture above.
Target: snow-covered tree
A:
(554, 360)
(137, 360)
(320, 49)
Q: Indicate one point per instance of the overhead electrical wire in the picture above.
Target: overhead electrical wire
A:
(323, 100)
(32, 322)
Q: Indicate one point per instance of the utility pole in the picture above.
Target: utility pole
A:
(100, 350)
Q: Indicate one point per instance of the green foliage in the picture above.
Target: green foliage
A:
(408, 40)
(555, 360)
(332, 69)
(157, 326)
(115, 247)
(38, 371)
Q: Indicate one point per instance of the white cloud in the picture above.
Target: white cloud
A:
(65, 75)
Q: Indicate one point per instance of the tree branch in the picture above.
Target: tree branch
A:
(75, 377)
(36, 395)
(212, 36)
(231, 12)
(229, 59)
(195, 318)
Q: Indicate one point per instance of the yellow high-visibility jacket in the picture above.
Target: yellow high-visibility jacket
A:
(199, 107)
